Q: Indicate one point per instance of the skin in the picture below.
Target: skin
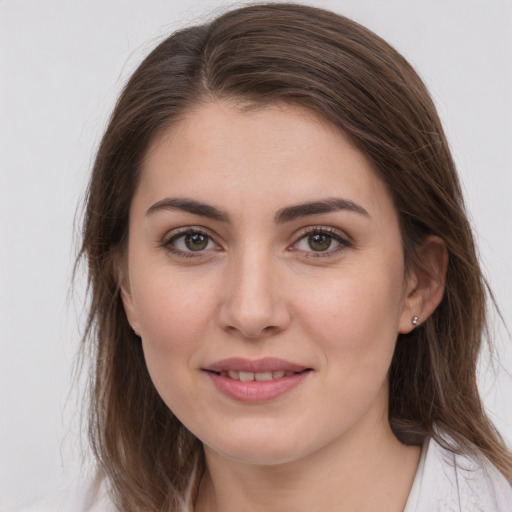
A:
(262, 289)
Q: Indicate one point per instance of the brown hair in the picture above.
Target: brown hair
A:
(302, 55)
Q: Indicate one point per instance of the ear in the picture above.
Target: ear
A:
(129, 309)
(126, 293)
(425, 283)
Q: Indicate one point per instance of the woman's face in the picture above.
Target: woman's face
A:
(265, 276)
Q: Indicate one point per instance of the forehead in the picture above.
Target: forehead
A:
(265, 156)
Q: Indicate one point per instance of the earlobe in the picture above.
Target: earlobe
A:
(425, 284)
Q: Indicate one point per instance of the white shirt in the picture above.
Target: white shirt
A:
(444, 482)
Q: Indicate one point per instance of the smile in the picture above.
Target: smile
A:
(259, 376)
(255, 381)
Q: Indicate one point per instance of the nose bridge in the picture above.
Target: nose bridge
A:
(253, 304)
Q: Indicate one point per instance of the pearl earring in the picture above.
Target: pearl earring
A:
(414, 320)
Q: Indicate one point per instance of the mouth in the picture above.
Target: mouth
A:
(255, 381)
(258, 376)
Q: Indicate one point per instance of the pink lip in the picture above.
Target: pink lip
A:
(256, 391)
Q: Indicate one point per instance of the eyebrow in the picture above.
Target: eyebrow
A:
(189, 206)
(331, 204)
(282, 216)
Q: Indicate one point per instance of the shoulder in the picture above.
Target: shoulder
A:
(89, 496)
(453, 482)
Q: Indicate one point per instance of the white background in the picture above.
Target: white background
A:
(62, 63)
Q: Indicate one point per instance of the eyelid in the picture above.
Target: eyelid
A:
(176, 233)
(338, 235)
(344, 240)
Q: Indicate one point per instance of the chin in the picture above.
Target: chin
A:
(262, 450)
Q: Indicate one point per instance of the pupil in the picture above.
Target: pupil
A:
(196, 241)
(319, 242)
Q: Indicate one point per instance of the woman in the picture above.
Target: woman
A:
(287, 307)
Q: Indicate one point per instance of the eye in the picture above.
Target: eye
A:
(189, 241)
(322, 241)
(192, 242)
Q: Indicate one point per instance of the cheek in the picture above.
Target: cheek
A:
(174, 315)
(172, 310)
(355, 317)
(354, 323)
(173, 320)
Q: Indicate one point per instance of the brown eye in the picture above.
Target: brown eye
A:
(196, 241)
(189, 242)
(319, 241)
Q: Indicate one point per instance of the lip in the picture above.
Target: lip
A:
(266, 364)
(255, 391)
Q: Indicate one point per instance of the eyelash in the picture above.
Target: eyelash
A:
(334, 234)
(344, 243)
(182, 232)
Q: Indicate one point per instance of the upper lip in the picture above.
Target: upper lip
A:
(266, 364)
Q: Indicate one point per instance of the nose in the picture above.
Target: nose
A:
(253, 304)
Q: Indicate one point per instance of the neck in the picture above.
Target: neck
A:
(363, 470)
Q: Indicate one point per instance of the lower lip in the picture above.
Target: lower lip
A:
(257, 391)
